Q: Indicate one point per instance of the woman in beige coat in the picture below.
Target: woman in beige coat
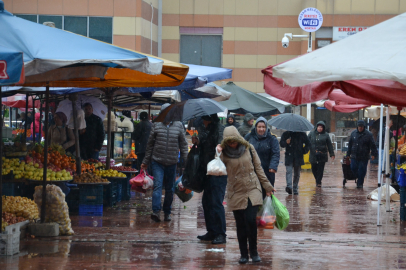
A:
(59, 133)
(244, 192)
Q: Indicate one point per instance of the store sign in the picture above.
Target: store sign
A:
(3, 70)
(310, 19)
(342, 32)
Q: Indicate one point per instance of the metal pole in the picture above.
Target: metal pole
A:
(396, 148)
(380, 148)
(110, 105)
(16, 110)
(10, 117)
(73, 99)
(44, 182)
(1, 165)
(33, 121)
(387, 169)
(26, 112)
(40, 117)
(309, 46)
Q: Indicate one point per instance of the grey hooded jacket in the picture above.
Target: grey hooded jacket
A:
(164, 143)
(244, 129)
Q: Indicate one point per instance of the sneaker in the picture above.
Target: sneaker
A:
(206, 237)
(288, 190)
(256, 258)
(220, 239)
(243, 260)
(155, 217)
(167, 217)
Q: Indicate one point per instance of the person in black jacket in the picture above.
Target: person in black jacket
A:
(267, 147)
(360, 145)
(210, 135)
(92, 140)
(296, 144)
(320, 145)
(140, 137)
(231, 121)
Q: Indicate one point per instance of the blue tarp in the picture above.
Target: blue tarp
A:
(11, 66)
(46, 48)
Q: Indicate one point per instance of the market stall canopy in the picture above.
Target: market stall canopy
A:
(375, 111)
(197, 77)
(343, 108)
(210, 90)
(375, 53)
(11, 66)
(64, 59)
(284, 103)
(244, 101)
(18, 101)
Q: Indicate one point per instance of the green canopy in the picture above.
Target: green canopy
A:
(243, 101)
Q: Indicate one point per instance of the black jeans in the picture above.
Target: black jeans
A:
(212, 201)
(247, 229)
(318, 170)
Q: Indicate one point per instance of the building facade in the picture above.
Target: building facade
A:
(244, 35)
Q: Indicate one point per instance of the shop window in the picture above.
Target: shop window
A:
(32, 18)
(77, 25)
(57, 20)
(101, 28)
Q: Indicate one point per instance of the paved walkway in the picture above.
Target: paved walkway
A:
(331, 228)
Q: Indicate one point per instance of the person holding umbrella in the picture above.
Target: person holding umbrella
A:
(296, 144)
(320, 146)
(165, 140)
(210, 135)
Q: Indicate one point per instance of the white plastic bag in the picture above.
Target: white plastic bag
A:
(148, 182)
(216, 166)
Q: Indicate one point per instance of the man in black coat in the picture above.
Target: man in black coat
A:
(267, 147)
(231, 121)
(140, 137)
(360, 145)
(296, 144)
(210, 135)
(92, 140)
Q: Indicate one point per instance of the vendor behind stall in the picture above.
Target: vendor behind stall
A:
(59, 133)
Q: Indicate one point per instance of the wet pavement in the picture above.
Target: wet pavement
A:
(330, 228)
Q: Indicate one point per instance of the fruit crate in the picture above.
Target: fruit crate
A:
(9, 243)
(91, 194)
(126, 189)
(72, 199)
(110, 194)
(85, 221)
(119, 192)
(91, 210)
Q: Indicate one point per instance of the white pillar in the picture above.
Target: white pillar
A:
(309, 112)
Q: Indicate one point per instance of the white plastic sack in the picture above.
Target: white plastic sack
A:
(148, 182)
(374, 194)
(216, 166)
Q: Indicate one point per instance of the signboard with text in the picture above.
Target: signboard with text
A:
(342, 32)
(310, 19)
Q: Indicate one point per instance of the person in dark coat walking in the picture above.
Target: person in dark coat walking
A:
(140, 137)
(231, 121)
(210, 135)
(360, 145)
(267, 147)
(246, 127)
(320, 146)
(92, 140)
(296, 144)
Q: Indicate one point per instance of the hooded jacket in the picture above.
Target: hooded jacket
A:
(320, 142)
(244, 129)
(164, 143)
(141, 135)
(235, 124)
(93, 137)
(298, 146)
(267, 146)
(361, 144)
(244, 174)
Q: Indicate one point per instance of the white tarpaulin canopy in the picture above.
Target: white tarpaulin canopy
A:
(375, 53)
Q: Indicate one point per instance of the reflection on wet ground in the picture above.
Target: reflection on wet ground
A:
(330, 227)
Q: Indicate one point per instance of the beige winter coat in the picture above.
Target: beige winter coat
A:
(243, 180)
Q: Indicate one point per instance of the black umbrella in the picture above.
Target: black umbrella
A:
(291, 122)
(189, 109)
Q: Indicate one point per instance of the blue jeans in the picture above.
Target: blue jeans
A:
(293, 171)
(212, 201)
(164, 176)
(359, 168)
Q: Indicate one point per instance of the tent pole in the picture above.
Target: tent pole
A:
(380, 174)
(40, 117)
(110, 105)
(16, 110)
(33, 121)
(44, 182)
(396, 147)
(73, 99)
(1, 165)
(26, 112)
(387, 169)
